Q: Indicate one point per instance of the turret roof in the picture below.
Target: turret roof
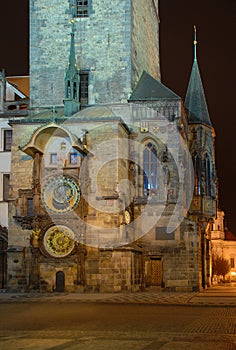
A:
(195, 100)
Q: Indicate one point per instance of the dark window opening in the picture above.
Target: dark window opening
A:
(197, 170)
(7, 140)
(74, 91)
(12, 107)
(207, 171)
(82, 8)
(232, 263)
(83, 93)
(30, 207)
(6, 186)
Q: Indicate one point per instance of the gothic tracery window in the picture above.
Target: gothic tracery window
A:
(197, 170)
(207, 175)
(150, 176)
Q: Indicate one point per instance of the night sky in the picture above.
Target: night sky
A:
(216, 36)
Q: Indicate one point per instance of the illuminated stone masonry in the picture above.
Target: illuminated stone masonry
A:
(116, 190)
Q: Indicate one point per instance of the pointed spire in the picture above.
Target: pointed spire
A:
(195, 101)
(72, 59)
(195, 43)
(71, 100)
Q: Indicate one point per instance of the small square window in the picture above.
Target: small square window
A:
(82, 8)
(53, 158)
(73, 158)
(7, 139)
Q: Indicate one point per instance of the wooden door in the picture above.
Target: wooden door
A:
(156, 272)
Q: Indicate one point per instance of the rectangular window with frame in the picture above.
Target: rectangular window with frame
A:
(84, 83)
(82, 8)
(6, 186)
(232, 263)
(30, 206)
(73, 158)
(53, 158)
(7, 139)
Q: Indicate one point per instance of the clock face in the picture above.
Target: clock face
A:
(60, 194)
(59, 241)
(127, 217)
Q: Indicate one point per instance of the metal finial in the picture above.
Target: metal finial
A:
(195, 43)
(72, 21)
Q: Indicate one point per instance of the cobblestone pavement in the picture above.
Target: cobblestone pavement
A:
(96, 326)
(216, 296)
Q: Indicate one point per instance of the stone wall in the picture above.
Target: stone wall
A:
(115, 37)
(145, 39)
(113, 270)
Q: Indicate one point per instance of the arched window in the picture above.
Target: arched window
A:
(207, 175)
(197, 171)
(68, 90)
(150, 181)
(74, 91)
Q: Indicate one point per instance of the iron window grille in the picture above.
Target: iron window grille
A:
(82, 8)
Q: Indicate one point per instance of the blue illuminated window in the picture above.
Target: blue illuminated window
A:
(150, 180)
(73, 158)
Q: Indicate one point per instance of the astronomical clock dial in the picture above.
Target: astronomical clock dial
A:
(127, 217)
(60, 194)
(59, 241)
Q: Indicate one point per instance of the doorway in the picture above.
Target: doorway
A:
(60, 281)
(156, 271)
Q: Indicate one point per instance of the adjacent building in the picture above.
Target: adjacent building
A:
(223, 246)
(14, 100)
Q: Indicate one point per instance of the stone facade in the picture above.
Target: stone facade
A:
(109, 253)
(101, 199)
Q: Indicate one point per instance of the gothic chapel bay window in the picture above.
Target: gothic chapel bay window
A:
(150, 169)
(207, 174)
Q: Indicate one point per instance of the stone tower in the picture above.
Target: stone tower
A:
(114, 42)
(202, 149)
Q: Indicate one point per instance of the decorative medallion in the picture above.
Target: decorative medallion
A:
(127, 217)
(60, 194)
(59, 241)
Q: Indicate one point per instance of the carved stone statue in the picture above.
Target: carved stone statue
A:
(35, 238)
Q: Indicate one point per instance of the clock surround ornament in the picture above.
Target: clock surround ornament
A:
(60, 194)
(59, 241)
